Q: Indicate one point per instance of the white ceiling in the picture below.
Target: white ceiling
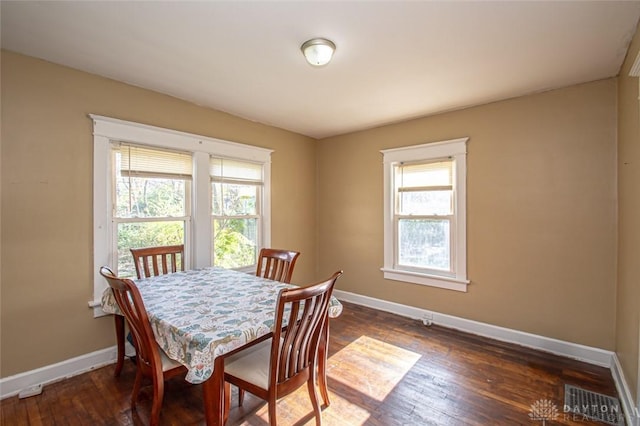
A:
(395, 60)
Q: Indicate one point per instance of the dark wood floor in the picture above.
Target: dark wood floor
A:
(383, 370)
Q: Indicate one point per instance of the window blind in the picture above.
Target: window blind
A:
(138, 161)
(425, 176)
(229, 170)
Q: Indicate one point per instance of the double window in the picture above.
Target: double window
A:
(425, 218)
(155, 187)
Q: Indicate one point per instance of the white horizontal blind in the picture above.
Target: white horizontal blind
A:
(229, 170)
(138, 161)
(425, 188)
(426, 176)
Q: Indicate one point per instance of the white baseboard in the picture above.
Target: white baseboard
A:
(584, 353)
(12, 385)
(571, 350)
(631, 412)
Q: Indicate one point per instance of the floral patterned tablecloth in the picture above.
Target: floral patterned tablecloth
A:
(200, 314)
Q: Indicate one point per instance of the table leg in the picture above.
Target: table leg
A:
(322, 363)
(213, 391)
(119, 322)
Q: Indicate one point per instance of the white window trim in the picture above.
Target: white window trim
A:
(106, 129)
(456, 149)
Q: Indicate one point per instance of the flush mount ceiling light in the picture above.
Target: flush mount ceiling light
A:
(318, 51)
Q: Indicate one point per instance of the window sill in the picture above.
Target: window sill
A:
(425, 279)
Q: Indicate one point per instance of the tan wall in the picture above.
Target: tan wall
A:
(541, 212)
(628, 307)
(47, 200)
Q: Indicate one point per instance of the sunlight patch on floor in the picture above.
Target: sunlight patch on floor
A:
(369, 369)
(294, 409)
(370, 366)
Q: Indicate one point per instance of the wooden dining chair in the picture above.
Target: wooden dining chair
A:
(149, 261)
(276, 264)
(152, 261)
(278, 366)
(151, 360)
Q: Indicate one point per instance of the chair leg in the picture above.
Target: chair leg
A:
(158, 396)
(314, 400)
(322, 378)
(119, 323)
(240, 397)
(227, 401)
(136, 388)
(273, 421)
(322, 364)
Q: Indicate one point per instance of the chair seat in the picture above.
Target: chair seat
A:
(251, 364)
(167, 363)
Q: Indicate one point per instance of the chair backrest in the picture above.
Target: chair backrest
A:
(152, 261)
(294, 348)
(276, 264)
(130, 303)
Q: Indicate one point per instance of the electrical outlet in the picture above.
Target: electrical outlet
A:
(30, 391)
(427, 318)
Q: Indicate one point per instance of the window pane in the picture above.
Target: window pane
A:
(150, 197)
(145, 234)
(233, 199)
(424, 243)
(426, 203)
(235, 242)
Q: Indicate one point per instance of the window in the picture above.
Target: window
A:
(155, 186)
(236, 189)
(151, 200)
(425, 214)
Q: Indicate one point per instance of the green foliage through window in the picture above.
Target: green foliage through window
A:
(145, 234)
(234, 242)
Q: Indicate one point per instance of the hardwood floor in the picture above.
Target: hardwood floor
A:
(383, 370)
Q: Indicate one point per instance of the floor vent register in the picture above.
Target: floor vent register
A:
(586, 405)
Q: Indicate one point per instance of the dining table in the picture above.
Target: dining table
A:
(201, 316)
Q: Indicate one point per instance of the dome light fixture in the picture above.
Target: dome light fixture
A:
(318, 51)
